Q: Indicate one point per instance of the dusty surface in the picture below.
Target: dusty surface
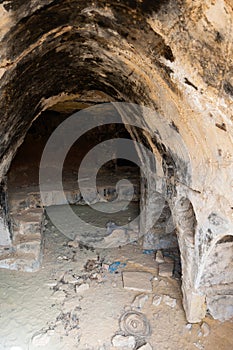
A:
(34, 310)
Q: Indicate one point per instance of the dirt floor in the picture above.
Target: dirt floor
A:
(77, 299)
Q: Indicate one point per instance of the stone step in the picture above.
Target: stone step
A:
(21, 262)
(27, 222)
(31, 246)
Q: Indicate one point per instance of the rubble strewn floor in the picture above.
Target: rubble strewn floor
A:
(77, 301)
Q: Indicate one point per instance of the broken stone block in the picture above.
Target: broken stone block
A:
(166, 269)
(159, 258)
(169, 301)
(82, 288)
(157, 300)
(137, 280)
(139, 301)
(120, 341)
(205, 329)
(147, 346)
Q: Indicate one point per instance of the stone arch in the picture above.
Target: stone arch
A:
(133, 52)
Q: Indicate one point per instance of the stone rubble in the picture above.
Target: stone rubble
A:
(120, 341)
(166, 299)
(169, 301)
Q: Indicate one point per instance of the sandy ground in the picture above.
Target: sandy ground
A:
(42, 310)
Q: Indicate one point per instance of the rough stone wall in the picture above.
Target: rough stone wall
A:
(172, 56)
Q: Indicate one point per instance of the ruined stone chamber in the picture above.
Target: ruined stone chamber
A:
(171, 58)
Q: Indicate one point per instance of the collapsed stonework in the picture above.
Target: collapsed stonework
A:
(173, 57)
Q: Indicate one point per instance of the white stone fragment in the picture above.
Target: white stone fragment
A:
(157, 300)
(40, 339)
(169, 301)
(139, 301)
(68, 278)
(120, 341)
(205, 328)
(188, 326)
(159, 257)
(82, 288)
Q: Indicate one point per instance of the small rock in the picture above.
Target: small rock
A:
(64, 257)
(120, 341)
(140, 301)
(51, 284)
(40, 339)
(157, 300)
(169, 301)
(189, 326)
(82, 288)
(166, 269)
(114, 284)
(68, 278)
(73, 244)
(105, 267)
(147, 346)
(159, 257)
(205, 328)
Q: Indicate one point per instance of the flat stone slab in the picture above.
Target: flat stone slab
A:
(137, 280)
(166, 269)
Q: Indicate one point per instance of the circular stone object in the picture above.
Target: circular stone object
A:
(135, 323)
